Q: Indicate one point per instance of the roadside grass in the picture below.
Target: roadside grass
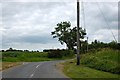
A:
(76, 72)
(101, 64)
(104, 60)
(0, 65)
(6, 65)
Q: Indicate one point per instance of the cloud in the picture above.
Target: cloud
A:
(104, 35)
(57, 0)
(102, 18)
(31, 23)
(30, 46)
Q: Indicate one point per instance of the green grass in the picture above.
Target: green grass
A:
(105, 60)
(101, 64)
(15, 56)
(74, 71)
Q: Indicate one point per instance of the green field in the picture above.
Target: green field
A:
(98, 64)
(16, 56)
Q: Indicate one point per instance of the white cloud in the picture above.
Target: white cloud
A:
(58, 0)
(30, 46)
(30, 23)
(103, 35)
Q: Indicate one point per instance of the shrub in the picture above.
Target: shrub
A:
(11, 54)
(60, 53)
(104, 60)
(55, 54)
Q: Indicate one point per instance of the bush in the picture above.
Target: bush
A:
(55, 54)
(11, 54)
(104, 60)
(60, 53)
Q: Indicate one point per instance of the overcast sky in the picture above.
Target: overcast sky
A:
(27, 24)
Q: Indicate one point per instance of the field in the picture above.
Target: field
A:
(15, 56)
(97, 64)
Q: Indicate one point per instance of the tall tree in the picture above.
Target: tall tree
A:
(67, 35)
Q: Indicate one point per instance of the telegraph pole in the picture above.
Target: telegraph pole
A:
(78, 35)
(87, 44)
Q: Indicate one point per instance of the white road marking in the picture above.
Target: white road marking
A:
(31, 75)
(37, 66)
(25, 63)
(34, 71)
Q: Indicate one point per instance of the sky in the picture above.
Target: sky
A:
(27, 24)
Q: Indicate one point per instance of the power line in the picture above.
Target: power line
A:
(106, 21)
(83, 13)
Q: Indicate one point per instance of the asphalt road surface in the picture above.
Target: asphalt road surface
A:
(34, 70)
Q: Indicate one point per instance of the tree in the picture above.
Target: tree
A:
(10, 49)
(114, 45)
(67, 35)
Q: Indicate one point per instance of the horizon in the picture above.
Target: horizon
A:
(40, 50)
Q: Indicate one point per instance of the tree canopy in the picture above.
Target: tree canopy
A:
(67, 35)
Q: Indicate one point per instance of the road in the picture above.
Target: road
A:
(34, 70)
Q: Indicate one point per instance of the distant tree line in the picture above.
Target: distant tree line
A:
(59, 53)
(52, 53)
(98, 45)
(11, 49)
(95, 45)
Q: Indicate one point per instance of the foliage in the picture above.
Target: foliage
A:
(97, 64)
(97, 45)
(16, 56)
(114, 45)
(66, 35)
(105, 60)
(11, 54)
(60, 53)
(27, 56)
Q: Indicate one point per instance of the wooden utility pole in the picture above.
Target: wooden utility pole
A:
(78, 35)
(87, 44)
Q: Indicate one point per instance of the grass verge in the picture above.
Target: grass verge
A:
(105, 60)
(6, 65)
(74, 71)
(98, 64)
